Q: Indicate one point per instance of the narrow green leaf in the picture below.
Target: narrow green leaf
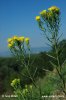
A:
(51, 56)
(53, 64)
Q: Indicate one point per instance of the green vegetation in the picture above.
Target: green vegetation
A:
(10, 68)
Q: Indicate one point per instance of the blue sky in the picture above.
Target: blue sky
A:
(17, 17)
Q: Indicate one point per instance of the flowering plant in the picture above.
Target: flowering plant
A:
(20, 46)
(49, 23)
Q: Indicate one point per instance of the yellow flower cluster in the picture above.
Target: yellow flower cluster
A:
(27, 89)
(54, 9)
(21, 39)
(11, 41)
(15, 82)
(48, 13)
(30, 86)
(44, 12)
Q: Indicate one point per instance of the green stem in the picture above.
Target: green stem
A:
(59, 71)
(30, 76)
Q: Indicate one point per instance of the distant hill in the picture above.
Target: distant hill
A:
(5, 53)
(33, 50)
(39, 49)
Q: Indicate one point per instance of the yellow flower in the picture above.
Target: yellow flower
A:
(27, 40)
(54, 8)
(21, 39)
(15, 38)
(25, 91)
(9, 40)
(30, 86)
(10, 44)
(15, 82)
(38, 18)
(43, 12)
